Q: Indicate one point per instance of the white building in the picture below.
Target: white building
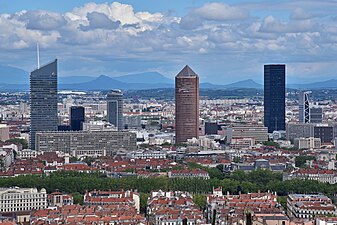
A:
(309, 206)
(21, 200)
(307, 143)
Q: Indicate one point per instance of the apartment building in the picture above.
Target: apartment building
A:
(308, 206)
(86, 143)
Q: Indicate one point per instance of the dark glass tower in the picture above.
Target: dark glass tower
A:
(187, 105)
(115, 108)
(76, 117)
(43, 100)
(274, 97)
(303, 107)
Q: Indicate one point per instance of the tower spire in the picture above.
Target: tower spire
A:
(38, 55)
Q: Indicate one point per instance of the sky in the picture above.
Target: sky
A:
(223, 41)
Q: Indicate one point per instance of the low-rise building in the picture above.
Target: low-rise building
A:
(231, 209)
(22, 201)
(194, 173)
(308, 206)
(125, 198)
(167, 208)
(307, 143)
(57, 199)
(324, 176)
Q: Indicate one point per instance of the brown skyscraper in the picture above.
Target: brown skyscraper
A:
(187, 105)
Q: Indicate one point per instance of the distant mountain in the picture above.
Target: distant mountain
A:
(245, 84)
(317, 85)
(74, 79)
(107, 83)
(236, 85)
(12, 75)
(148, 77)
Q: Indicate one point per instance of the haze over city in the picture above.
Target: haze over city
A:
(224, 41)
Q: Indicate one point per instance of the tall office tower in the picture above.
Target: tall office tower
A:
(76, 117)
(274, 97)
(43, 100)
(316, 115)
(115, 108)
(303, 104)
(187, 105)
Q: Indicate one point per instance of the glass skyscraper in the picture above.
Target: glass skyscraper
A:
(274, 97)
(115, 108)
(303, 107)
(43, 100)
(77, 117)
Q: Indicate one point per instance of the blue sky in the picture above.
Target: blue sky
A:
(223, 41)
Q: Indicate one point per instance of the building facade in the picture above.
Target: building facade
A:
(303, 105)
(43, 100)
(77, 117)
(257, 132)
(4, 132)
(274, 97)
(115, 108)
(316, 115)
(86, 143)
(186, 105)
(307, 143)
(22, 199)
(308, 206)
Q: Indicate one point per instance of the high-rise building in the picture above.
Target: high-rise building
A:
(187, 105)
(76, 117)
(316, 115)
(303, 105)
(115, 108)
(274, 97)
(43, 100)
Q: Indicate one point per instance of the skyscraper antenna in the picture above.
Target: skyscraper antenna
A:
(38, 55)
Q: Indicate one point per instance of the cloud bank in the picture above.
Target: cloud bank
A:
(224, 42)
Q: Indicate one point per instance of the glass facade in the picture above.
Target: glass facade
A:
(43, 100)
(76, 117)
(115, 108)
(274, 97)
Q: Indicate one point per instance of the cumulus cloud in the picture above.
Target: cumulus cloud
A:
(215, 30)
(99, 21)
(215, 11)
(41, 20)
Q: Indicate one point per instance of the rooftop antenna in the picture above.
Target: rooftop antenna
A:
(38, 55)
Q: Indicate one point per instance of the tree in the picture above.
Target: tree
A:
(271, 143)
(200, 200)
(78, 198)
(302, 159)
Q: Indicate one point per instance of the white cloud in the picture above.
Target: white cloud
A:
(220, 11)
(109, 33)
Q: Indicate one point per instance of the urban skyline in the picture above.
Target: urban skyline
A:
(143, 149)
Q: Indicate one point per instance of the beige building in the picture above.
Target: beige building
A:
(4, 132)
(307, 143)
(22, 201)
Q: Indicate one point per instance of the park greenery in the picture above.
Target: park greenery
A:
(237, 182)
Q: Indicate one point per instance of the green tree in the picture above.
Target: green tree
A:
(302, 159)
(78, 198)
(200, 200)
